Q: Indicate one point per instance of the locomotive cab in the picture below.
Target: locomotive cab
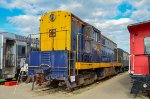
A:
(140, 56)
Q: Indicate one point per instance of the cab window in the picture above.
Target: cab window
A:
(95, 36)
(147, 45)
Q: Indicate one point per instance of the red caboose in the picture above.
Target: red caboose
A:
(140, 56)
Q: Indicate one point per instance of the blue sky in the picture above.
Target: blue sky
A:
(109, 16)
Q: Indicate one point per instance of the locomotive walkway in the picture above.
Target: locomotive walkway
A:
(117, 87)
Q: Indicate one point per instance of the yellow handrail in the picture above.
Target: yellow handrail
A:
(117, 56)
(69, 65)
(77, 51)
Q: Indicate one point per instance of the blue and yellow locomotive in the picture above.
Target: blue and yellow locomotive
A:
(72, 52)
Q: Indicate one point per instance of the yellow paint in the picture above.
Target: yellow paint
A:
(118, 64)
(117, 55)
(84, 65)
(62, 24)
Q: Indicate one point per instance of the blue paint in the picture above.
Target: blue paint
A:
(58, 60)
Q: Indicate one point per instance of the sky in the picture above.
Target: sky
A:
(111, 17)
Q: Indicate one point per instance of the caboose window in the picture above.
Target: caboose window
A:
(147, 45)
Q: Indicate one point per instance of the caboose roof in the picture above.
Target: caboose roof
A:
(131, 27)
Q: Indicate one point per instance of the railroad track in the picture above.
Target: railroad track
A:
(64, 90)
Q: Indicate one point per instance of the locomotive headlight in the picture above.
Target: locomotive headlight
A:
(52, 17)
(145, 85)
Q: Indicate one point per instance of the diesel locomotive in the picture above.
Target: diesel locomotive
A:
(72, 52)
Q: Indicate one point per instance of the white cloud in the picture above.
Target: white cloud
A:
(98, 13)
(71, 6)
(141, 15)
(1, 30)
(140, 4)
(142, 12)
(24, 5)
(25, 23)
(116, 22)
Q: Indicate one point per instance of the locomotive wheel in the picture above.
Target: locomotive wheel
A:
(148, 94)
(9, 79)
(54, 83)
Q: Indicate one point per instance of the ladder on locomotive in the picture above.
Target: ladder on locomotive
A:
(71, 62)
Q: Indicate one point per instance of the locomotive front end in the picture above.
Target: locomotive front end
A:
(51, 62)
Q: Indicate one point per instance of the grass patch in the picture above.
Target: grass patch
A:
(2, 80)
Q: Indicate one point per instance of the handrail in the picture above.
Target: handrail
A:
(77, 49)
(45, 65)
(130, 71)
(69, 66)
(140, 54)
(129, 65)
(133, 62)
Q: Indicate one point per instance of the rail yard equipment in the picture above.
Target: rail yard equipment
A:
(140, 56)
(12, 49)
(123, 57)
(72, 52)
